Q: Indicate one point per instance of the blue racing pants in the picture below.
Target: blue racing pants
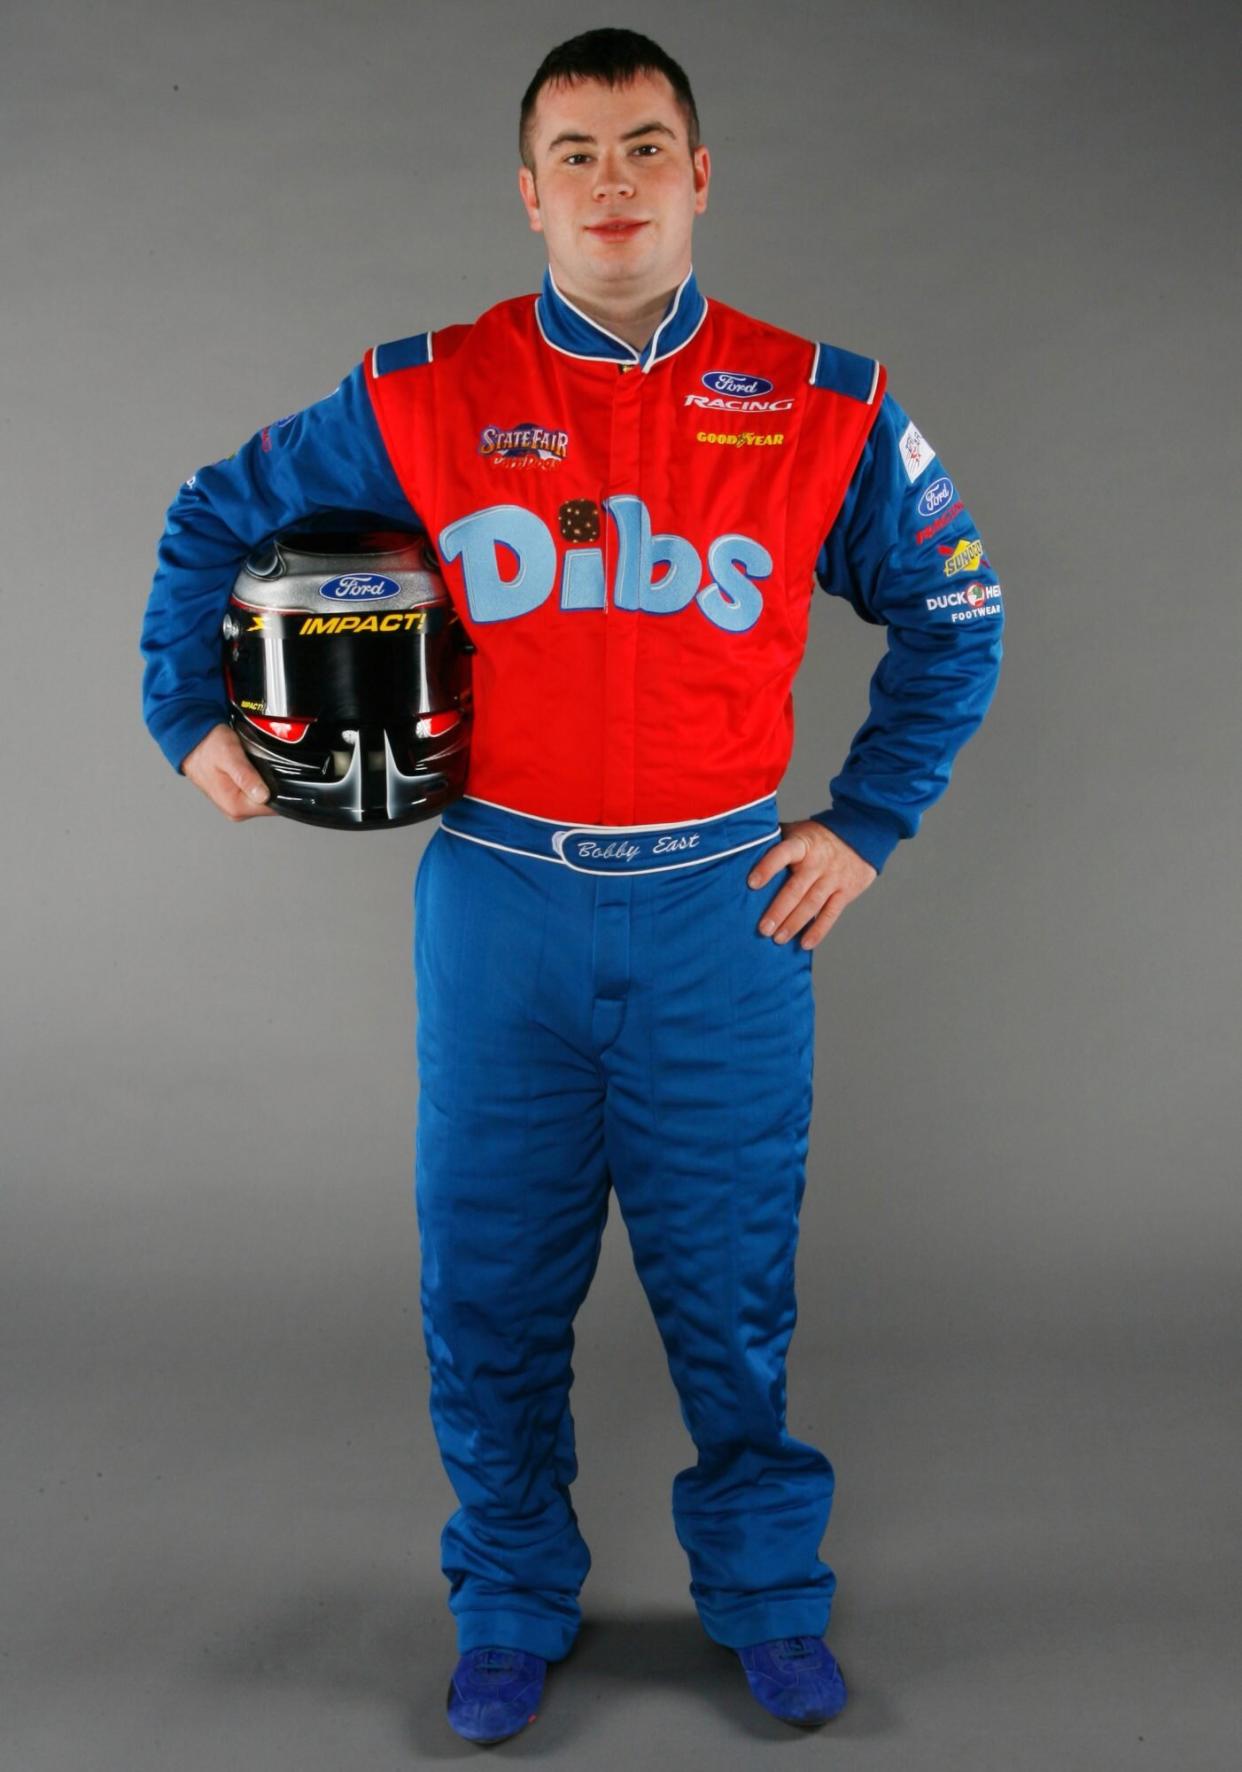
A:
(596, 1011)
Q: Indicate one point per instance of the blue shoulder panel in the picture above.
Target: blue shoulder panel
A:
(328, 457)
(403, 353)
(845, 372)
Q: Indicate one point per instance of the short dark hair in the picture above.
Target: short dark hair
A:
(614, 57)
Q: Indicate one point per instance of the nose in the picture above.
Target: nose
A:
(613, 177)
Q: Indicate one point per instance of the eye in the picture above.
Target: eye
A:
(647, 148)
(576, 159)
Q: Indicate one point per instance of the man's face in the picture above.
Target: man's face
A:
(615, 190)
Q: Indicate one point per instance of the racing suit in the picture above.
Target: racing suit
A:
(631, 540)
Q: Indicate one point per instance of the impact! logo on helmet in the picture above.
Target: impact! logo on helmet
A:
(355, 721)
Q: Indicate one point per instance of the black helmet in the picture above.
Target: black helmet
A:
(348, 674)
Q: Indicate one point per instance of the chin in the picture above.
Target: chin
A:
(613, 270)
(612, 264)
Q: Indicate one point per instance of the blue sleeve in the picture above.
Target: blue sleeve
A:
(329, 457)
(904, 551)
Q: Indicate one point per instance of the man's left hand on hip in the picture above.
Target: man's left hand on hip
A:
(825, 875)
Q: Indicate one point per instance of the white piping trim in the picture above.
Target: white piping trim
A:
(635, 356)
(653, 343)
(685, 341)
(623, 342)
(484, 844)
(376, 349)
(568, 823)
(578, 356)
(875, 373)
(612, 873)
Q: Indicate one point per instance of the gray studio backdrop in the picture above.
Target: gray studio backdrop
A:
(1019, 1266)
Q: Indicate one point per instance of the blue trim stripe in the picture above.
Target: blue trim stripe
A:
(403, 353)
(845, 372)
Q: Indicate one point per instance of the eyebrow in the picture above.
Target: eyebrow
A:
(571, 135)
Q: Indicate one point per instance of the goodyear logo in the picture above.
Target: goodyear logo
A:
(740, 439)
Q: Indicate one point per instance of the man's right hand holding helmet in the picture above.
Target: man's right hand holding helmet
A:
(220, 768)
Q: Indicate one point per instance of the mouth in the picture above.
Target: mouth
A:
(615, 230)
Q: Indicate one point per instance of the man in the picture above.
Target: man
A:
(632, 490)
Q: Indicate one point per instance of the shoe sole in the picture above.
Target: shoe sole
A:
(807, 1723)
(492, 1740)
(485, 1740)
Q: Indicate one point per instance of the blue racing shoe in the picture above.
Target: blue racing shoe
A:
(494, 1693)
(796, 1678)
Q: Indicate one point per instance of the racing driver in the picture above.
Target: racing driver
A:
(633, 491)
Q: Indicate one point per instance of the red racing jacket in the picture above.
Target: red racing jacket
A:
(632, 540)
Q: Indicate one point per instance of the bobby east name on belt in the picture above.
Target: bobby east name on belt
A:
(623, 850)
(615, 849)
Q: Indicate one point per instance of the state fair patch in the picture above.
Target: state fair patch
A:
(916, 452)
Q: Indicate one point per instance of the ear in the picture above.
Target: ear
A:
(702, 178)
(529, 193)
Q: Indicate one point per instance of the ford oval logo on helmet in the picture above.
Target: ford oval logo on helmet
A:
(359, 587)
(937, 496)
(725, 381)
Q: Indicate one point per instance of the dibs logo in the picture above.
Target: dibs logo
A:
(510, 565)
